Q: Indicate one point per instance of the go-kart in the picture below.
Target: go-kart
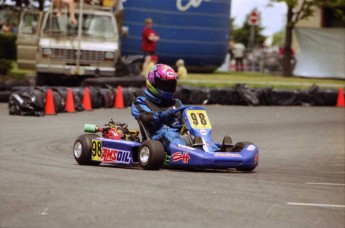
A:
(121, 146)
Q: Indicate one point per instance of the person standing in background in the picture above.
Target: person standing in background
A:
(231, 48)
(59, 4)
(239, 50)
(149, 42)
(153, 61)
(119, 13)
(181, 69)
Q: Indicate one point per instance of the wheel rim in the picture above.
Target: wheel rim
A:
(77, 149)
(144, 155)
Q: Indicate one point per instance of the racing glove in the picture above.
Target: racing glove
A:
(166, 116)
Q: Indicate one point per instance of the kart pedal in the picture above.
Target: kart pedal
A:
(198, 143)
(226, 144)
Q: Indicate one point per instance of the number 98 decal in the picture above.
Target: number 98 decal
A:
(96, 150)
(198, 119)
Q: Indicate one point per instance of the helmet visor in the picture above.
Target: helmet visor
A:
(166, 85)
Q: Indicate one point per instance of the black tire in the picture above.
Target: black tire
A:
(136, 67)
(82, 150)
(41, 79)
(238, 148)
(4, 96)
(151, 155)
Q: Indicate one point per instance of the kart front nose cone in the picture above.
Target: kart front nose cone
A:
(144, 155)
(77, 149)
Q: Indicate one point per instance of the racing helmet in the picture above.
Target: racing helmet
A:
(161, 81)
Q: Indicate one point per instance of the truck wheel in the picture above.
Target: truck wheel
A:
(238, 148)
(151, 155)
(82, 150)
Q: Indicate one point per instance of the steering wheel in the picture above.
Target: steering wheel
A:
(176, 126)
(179, 124)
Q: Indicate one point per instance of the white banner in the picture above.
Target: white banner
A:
(321, 54)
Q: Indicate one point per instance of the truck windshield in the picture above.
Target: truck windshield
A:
(94, 26)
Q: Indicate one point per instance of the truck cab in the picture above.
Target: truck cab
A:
(55, 48)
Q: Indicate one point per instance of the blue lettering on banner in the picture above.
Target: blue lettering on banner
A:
(191, 3)
(126, 157)
(115, 156)
(119, 155)
(229, 155)
(123, 157)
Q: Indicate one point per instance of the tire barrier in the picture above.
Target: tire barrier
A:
(312, 97)
(4, 95)
(11, 83)
(25, 100)
(137, 81)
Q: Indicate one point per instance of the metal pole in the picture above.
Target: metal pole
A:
(251, 44)
(80, 18)
(251, 37)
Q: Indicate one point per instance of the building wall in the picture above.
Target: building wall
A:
(314, 21)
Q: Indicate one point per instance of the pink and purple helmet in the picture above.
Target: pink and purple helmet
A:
(161, 81)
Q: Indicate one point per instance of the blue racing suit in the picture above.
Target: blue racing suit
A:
(150, 110)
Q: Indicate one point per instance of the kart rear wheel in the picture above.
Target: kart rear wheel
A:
(82, 149)
(238, 148)
(151, 155)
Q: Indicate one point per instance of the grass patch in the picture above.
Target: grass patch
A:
(230, 79)
(16, 73)
(258, 80)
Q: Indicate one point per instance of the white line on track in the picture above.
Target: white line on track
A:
(335, 172)
(338, 165)
(44, 212)
(315, 205)
(331, 184)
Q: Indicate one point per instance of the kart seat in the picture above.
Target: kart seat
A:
(145, 134)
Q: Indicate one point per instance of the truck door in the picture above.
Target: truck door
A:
(27, 40)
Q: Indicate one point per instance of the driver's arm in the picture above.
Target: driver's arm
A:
(142, 112)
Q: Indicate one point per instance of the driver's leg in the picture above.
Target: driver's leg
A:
(168, 136)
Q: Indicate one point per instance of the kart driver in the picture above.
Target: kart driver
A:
(159, 111)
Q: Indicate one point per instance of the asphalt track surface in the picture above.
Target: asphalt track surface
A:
(299, 181)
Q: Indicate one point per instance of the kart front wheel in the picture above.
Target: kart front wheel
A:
(82, 149)
(238, 148)
(151, 155)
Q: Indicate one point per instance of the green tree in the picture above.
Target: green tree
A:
(278, 38)
(242, 34)
(300, 10)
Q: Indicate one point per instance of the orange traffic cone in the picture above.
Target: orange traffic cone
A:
(50, 106)
(70, 101)
(119, 98)
(340, 101)
(87, 100)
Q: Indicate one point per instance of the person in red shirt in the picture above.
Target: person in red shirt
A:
(149, 42)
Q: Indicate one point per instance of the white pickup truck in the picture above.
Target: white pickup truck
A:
(57, 49)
